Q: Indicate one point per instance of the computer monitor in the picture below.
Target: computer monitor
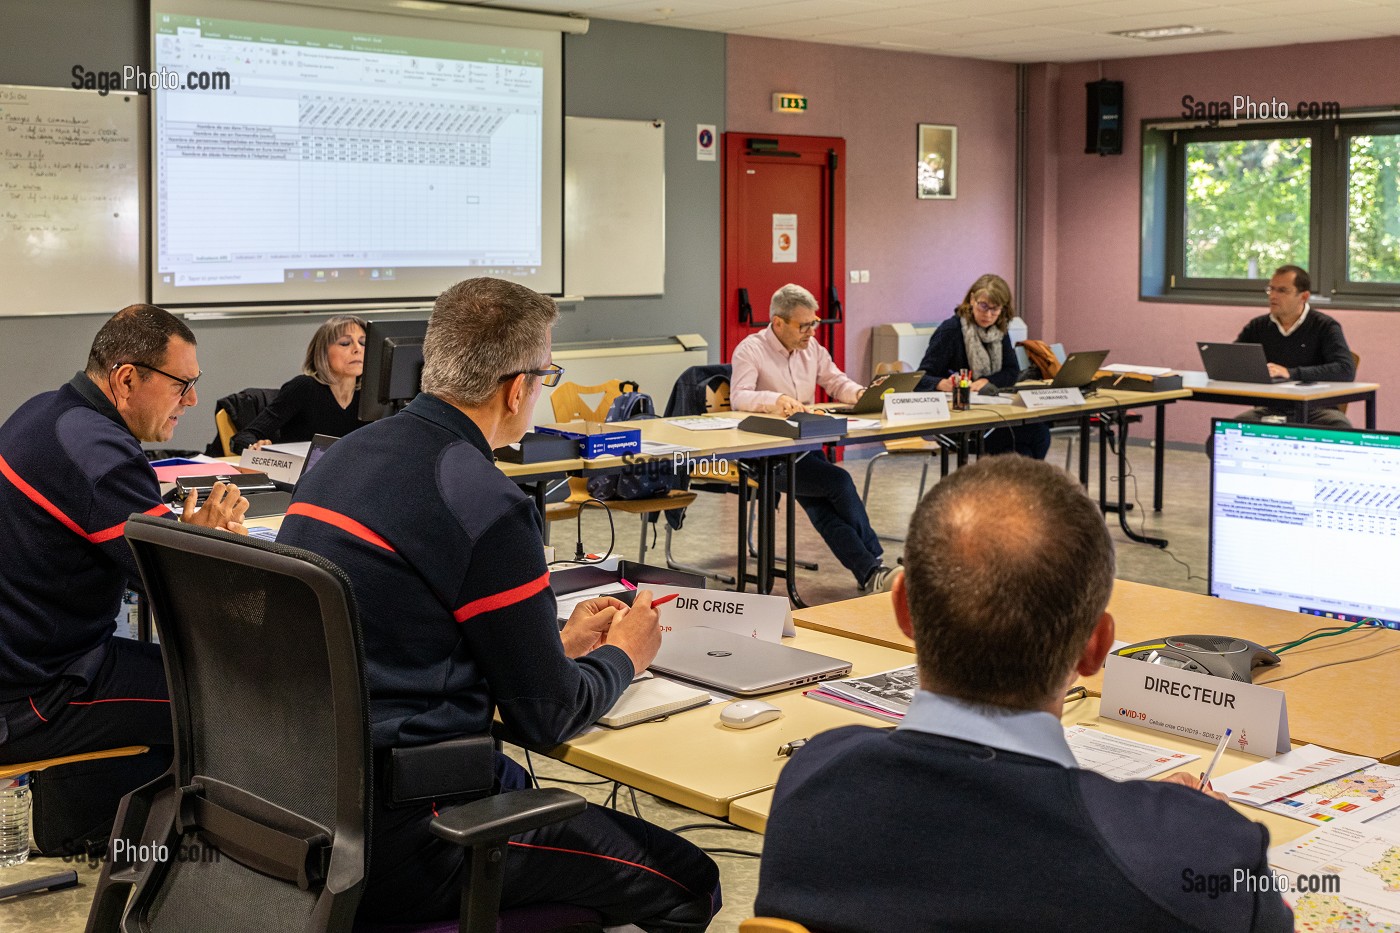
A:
(393, 366)
(1306, 519)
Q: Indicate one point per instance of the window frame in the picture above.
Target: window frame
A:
(1163, 204)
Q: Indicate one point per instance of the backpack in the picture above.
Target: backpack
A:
(638, 480)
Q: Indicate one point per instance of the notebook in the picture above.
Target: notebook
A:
(649, 699)
(739, 664)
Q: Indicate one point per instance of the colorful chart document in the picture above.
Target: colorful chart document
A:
(1342, 878)
(1359, 797)
(1287, 774)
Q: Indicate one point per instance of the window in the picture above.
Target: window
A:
(1223, 207)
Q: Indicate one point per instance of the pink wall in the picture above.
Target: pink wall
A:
(1086, 208)
(922, 255)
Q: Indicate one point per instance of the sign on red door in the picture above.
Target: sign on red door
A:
(784, 221)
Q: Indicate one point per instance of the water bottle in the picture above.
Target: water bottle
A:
(14, 820)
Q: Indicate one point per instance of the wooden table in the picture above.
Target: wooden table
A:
(692, 760)
(1347, 707)
(751, 811)
(1300, 398)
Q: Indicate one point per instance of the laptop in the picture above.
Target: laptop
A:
(1237, 362)
(872, 400)
(320, 443)
(1077, 371)
(740, 665)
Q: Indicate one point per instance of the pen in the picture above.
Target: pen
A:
(627, 584)
(664, 599)
(1219, 750)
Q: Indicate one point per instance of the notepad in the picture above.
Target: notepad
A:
(649, 699)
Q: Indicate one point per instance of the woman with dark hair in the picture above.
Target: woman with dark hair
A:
(976, 338)
(325, 399)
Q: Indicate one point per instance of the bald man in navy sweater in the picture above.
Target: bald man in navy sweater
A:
(973, 814)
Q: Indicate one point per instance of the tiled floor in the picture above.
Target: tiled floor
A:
(706, 540)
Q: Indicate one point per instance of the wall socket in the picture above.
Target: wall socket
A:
(860, 275)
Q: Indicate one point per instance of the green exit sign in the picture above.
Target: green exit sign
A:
(789, 103)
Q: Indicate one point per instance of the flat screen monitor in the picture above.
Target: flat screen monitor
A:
(393, 366)
(1306, 519)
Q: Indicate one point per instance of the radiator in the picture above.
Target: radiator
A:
(653, 363)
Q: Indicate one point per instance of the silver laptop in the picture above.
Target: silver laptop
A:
(739, 664)
(1236, 362)
(872, 400)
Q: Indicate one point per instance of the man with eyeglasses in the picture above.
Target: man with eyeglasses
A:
(71, 471)
(446, 558)
(1300, 343)
(778, 370)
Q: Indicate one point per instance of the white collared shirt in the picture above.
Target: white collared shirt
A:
(1296, 324)
(1027, 732)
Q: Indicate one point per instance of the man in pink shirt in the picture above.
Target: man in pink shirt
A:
(777, 370)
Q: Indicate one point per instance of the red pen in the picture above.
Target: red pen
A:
(664, 599)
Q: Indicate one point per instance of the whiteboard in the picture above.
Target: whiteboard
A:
(614, 207)
(72, 175)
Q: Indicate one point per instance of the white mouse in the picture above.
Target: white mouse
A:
(745, 714)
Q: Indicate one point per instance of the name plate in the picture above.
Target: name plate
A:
(281, 462)
(767, 618)
(1049, 398)
(916, 406)
(1195, 706)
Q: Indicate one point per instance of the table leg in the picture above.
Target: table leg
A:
(741, 571)
(791, 565)
(1159, 459)
(1371, 412)
(767, 509)
(1103, 462)
(1123, 486)
(1084, 452)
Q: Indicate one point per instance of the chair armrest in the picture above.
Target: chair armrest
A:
(504, 815)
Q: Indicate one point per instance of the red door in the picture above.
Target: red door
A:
(784, 221)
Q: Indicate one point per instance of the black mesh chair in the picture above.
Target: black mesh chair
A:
(264, 814)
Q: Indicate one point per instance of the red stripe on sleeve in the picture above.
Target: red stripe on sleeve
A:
(503, 599)
(39, 499)
(343, 522)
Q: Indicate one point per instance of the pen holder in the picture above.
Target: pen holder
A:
(962, 396)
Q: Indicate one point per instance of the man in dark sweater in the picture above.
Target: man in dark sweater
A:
(446, 558)
(972, 814)
(71, 472)
(1300, 343)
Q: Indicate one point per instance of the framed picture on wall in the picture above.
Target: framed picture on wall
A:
(938, 161)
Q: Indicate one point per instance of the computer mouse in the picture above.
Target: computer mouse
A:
(745, 714)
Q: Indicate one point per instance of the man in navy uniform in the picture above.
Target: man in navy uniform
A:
(446, 558)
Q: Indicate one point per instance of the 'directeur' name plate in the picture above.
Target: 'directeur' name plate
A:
(1195, 706)
(916, 406)
(1049, 398)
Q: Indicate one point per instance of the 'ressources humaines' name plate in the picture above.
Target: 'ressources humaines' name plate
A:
(1035, 399)
(915, 406)
(1195, 706)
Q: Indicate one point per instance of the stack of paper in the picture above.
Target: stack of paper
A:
(886, 695)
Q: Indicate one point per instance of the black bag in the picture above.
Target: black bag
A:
(74, 805)
(637, 480)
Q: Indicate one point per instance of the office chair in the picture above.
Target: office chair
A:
(232, 412)
(569, 404)
(265, 811)
(1355, 368)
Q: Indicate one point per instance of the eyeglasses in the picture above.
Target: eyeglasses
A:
(809, 327)
(185, 384)
(1278, 289)
(549, 376)
(984, 307)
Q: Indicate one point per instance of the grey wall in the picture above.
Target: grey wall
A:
(617, 70)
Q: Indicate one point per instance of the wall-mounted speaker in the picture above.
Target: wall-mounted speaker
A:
(1103, 117)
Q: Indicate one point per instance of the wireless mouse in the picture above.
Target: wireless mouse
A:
(745, 714)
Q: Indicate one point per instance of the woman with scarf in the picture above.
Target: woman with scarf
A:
(976, 339)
